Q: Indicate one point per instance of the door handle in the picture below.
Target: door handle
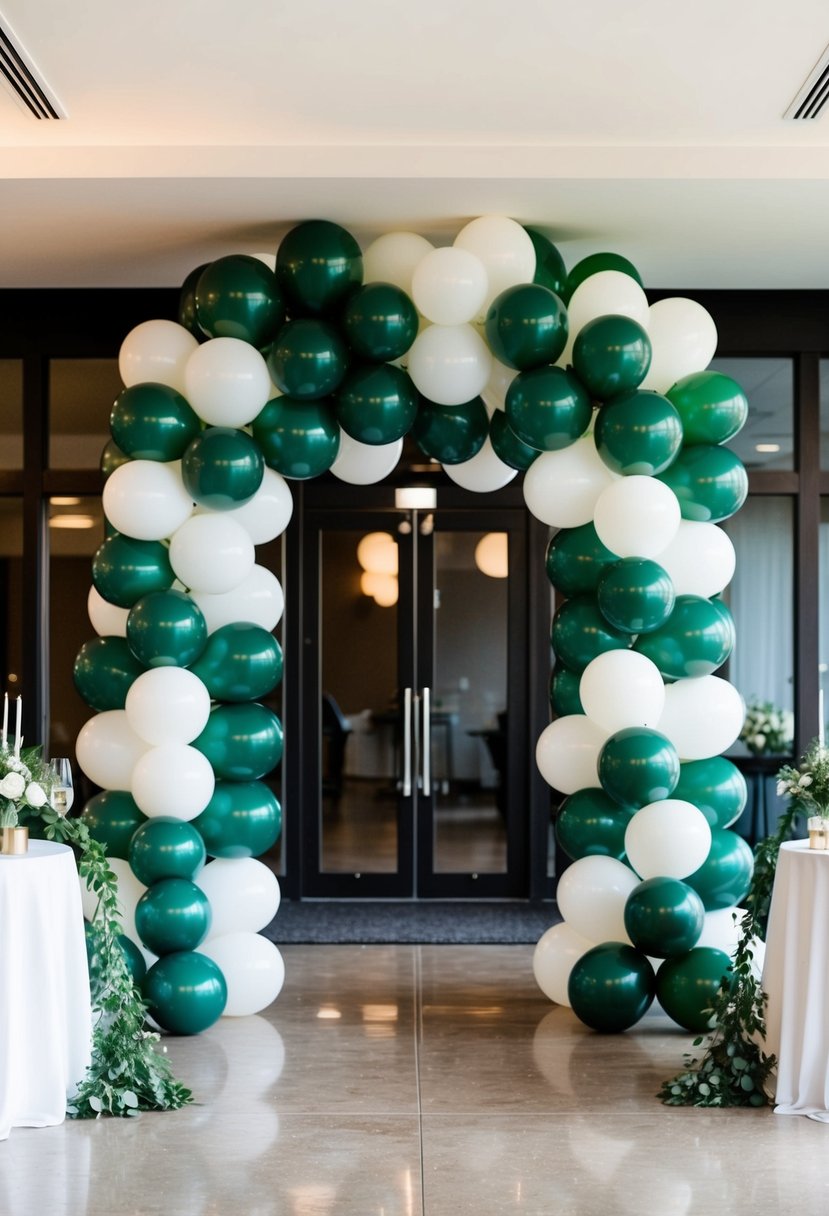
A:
(426, 695)
(407, 742)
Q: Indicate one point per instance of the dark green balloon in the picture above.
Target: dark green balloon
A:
(222, 468)
(664, 917)
(376, 403)
(166, 629)
(713, 407)
(686, 986)
(173, 914)
(134, 959)
(638, 766)
(564, 691)
(724, 877)
(548, 408)
(594, 264)
(299, 439)
(709, 481)
(576, 559)
(611, 355)
(242, 819)
(696, 639)
(638, 433)
(451, 433)
(238, 297)
(507, 446)
(580, 632)
(104, 671)
(611, 987)
(308, 359)
(165, 847)
(526, 326)
(242, 742)
(153, 422)
(187, 302)
(318, 265)
(124, 569)
(112, 458)
(241, 662)
(550, 270)
(113, 817)
(716, 787)
(589, 822)
(636, 595)
(380, 322)
(186, 992)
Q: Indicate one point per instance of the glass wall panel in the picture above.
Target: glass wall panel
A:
(767, 439)
(11, 414)
(823, 652)
(824, 414)
(81, 394)
(11, 585)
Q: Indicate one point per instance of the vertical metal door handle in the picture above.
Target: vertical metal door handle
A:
(407, 742)
(427, 742)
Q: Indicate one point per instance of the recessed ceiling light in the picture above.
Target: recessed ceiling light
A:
(65, 502)
(72, 521)
(767, 447)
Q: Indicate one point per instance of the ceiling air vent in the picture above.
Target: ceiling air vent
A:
(24, 79)
(813, 93)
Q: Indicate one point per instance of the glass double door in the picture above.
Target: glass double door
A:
(414, 718)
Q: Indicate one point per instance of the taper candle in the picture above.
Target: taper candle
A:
(5, 720)
(18, 726)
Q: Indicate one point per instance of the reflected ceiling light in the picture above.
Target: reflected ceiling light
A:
(379, 1013)
(329, 1013)
(416, 498)
(377, 553)
(767, 447)
(72, 521)
(65, 502)
(491, 555)
(382, 588)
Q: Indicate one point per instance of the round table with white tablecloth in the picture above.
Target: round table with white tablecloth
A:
(45, 1016)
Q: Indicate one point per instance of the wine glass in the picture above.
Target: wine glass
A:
(63, 791)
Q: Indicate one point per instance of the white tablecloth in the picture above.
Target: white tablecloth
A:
(796, 978)
(45, 1018)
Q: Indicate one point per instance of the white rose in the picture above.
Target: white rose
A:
(12, 785)
(35, 794)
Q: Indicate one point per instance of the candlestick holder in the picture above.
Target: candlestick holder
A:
(14, 841)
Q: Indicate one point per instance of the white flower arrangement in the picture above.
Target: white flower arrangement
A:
(767, 730)
(21, 786)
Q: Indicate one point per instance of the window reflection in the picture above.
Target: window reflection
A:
(767, 439)
(11, 414)
(11, 626)
(81, 394)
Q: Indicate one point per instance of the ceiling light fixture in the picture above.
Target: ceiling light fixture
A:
(23, 78)
(72, 521)
(767, 447)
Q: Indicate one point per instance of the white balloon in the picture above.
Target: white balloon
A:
(156, 351)
(253, 970)
(618, 690)
(268, 513)
(555, 955)
(364, 464)
(637, 516)
(505, 249)
(722, 929)
(128, 892)
(257, 599)
(669, 839)
(449, 364)
(173, 779)
(607, 292)
(683, 339)
(167, 705)
(146, 499)
(700, 559)
(243, 894)
(562, 488)
(591, 896)
(212, 553)
(108, 620)
(227, 382)
(107, 749)
(392, 258)
(702, 717)
(449, 286)
(485, 472)
(495, 392)
(567, 753)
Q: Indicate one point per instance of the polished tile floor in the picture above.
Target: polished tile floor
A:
(412, 1080)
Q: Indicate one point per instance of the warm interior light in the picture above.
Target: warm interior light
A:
(329, 1013)
(65, 502)
(491, 555)
(377, 553)
(415, 498)
(72, 521)
(767, 447)
(382, 588)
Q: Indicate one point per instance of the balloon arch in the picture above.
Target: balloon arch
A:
(497, 361)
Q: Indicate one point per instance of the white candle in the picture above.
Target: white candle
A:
(5, 720)
(18, 726)
(821, 725)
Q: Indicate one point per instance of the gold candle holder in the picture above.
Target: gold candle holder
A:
(818, 835)
(15, 841)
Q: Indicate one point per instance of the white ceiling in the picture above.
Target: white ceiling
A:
(202, 127)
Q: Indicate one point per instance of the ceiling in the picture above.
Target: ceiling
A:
(201, 128)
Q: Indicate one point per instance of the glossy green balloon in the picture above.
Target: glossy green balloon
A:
(166, 629)
(299, 439)
(713, 407)
(242, 742)
(638, 766)
(576, 559)
(696, 639)
(507, 446)
(186, 992)
(594, 264)
(565, 697)
(242, 819)
(112, 818)
(238, 297)
(548, 408)
(611, 355)
(550, 270)
(638, 433)
(451, 433)
(380, 322)
(136, 963)
(112, 458)
(611, 987)
(222, 468)
(104, 671)
(173, 914)
(589, 822)
(526, 326)
(636, 595)
(187, 302)
(716, 787)
(376, 403)
(241, 662)
(580, 632)
(165, 847)
(318, 265)
(308, 359)
(709, 481)
(686, 986)
(664, 917)
(153, 422)
(724, 877)
(124, 569)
